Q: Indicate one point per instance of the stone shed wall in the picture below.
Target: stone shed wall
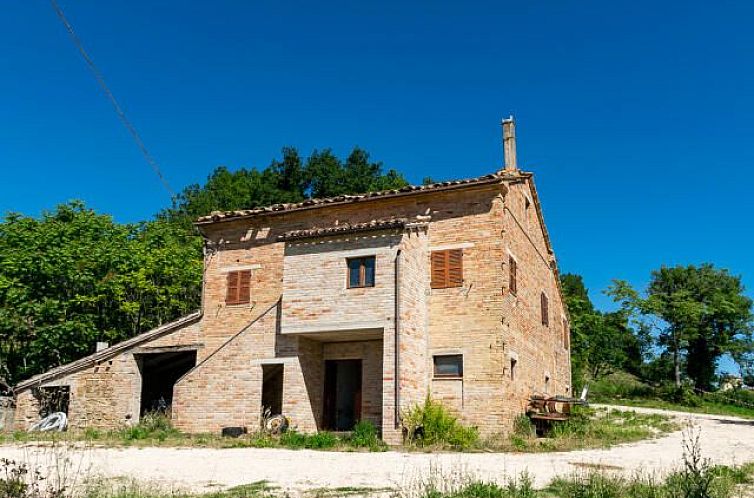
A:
(7, 412)
(107, 394)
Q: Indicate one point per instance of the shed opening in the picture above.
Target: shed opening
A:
(159, 373)
(272, 389)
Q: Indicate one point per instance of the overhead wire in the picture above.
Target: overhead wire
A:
(109, 94)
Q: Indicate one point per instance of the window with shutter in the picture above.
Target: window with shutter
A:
(438, 270)
(238, 290)
(244, 287)
(545, 311)
(513, 269)
(447, 268)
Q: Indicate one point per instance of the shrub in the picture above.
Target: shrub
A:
(683, 395)
(298, 440)
(619, 385)
(523, 427)
(365, 436)
(13, 479)
(431, 424)
(153, 425)
(321, 440)
(461, 486)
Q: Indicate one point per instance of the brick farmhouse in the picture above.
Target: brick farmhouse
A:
(356, 307)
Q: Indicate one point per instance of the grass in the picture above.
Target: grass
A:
(156, 430)
(587, 428)
(716, 482)
(429, 427)
(697, 477)
(259, 489)
(625, 389)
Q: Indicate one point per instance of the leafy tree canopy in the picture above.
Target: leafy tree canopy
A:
(289, 179)
(696, 314)
(600, 342)
(74, 277)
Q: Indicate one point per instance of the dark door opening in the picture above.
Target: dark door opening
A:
(272, 390)
(159, 373)
(342, 400)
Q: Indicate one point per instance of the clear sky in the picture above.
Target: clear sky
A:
(637, 117)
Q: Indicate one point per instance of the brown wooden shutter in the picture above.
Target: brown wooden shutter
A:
(513, 268)
(244, 287)
(447, 268)
(231, 293)
(439, 270)
(545, 311)
(455, 268)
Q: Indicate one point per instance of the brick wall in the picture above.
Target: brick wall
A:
(315, 292)
(225, 388)
(481, 319)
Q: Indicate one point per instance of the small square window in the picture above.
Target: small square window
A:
(361, 272)
(449, 365)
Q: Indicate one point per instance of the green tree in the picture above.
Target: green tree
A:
(601, 343)
(289, 179)
(74, 277)
(696, 314)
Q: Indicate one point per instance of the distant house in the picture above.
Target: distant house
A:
(332, 311)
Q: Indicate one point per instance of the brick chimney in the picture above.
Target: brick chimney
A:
(509, 144)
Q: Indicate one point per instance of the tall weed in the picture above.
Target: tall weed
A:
(431, 424)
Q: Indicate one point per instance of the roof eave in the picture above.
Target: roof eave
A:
(105, 354)
(493, 179)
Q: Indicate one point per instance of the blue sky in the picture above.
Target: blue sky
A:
(636, 116)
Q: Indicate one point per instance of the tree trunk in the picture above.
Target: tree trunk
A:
(676, 363)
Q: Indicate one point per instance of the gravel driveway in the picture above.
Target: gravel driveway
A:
(726, 440)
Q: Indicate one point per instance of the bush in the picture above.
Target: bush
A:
(298, 440)
(365, 436)
(523, 426)
(455, 486)
(153, 425)
(619, 385)
(683, 395)
(431, 424)
(13, 479)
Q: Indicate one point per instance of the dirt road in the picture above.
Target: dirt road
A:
(725, 440)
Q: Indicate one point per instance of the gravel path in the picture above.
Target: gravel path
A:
(725, 440)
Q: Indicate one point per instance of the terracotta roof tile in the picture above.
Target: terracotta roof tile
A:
(216, 216)
(383, 224)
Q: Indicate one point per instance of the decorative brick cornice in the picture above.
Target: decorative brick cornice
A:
(345, 228)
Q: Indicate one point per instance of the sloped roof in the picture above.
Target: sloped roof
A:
(107, 353)
(218, 216)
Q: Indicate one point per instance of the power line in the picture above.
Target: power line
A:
(118, 110)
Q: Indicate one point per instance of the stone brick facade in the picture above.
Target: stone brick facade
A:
(302, 314)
